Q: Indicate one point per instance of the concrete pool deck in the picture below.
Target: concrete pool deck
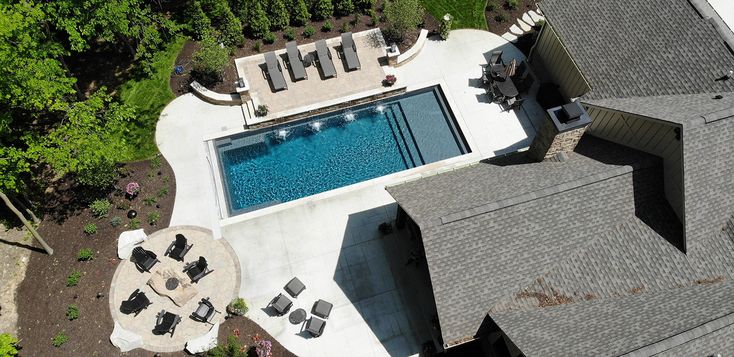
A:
(330, 241)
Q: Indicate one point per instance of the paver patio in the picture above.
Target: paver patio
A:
(370, 48)
(220, 286)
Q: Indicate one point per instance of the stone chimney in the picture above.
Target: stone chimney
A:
(560, 132)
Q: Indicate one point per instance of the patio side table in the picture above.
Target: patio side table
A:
(297, 316)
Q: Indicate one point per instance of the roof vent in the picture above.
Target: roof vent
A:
(718, 96)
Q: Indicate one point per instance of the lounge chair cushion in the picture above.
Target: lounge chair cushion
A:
(294, 287)
(315, 326)
(322, 308)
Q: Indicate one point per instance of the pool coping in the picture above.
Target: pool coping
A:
(405, 175)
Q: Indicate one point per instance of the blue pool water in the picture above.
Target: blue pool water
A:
(321, 153)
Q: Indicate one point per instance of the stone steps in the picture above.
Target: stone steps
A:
(523, 25)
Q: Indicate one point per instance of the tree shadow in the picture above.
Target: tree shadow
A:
(22, 245)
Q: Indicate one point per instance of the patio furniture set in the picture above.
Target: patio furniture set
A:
(282, 304)
(167, 282)
(298, 63)
(505, 82)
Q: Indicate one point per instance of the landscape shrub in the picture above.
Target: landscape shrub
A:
(149, 200)
(364, 5)
(123, 205)
(374, 19)
(355, 19)
(299, 13)
(269, 38)
(501, 17)
(209, 62)
(512, 4)
(59, 339)
(100, 207)
(163, 192)
(134, 223)
(72, 312)
(323, 9)
(90, 228)
(257, 46)
(278, 14)
(343, 7)
(85, 254)
(491, 5)
(238, 306)
(401, 16)
(289, 34)
(8, 345)
(263, 347)
(327, 26)
(233, 348)
(155, 162)
(200, 24)
(115, 221)
(73, 278)
(230, 30)
(309, 31)
(153, 218)
(259, 22)
(345, 27)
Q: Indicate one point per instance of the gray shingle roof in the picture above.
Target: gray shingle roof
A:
(641, 48)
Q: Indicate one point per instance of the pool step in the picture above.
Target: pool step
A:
(403, 135)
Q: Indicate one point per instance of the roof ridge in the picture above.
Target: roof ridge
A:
(537, 194)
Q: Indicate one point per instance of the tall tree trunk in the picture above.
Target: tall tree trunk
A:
(25, 208)
(26, 223)
(79, 94)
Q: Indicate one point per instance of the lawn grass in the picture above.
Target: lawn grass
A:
(466, 13)
(148, 96)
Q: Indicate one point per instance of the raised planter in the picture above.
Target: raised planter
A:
(408, 55)
(214, 97)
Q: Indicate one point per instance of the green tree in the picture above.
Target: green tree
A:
(401, 16)
(323, 9)
(299, 13)
(278, 14)
(88, 142)
(201, 26)
(343, 7)
(364, 5)
(227, 25)
(259, 22)
(209, 61)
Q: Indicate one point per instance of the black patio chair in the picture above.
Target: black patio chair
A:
(166, 323)
(315, 326)
(144, 259)
(322, 308)
(281, 304)
(136, 303)
(197, 270)
(495, 58)
(294, 287)
(178, 248)
(204, 312)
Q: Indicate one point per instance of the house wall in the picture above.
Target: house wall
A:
(558, 64)
(648, 135)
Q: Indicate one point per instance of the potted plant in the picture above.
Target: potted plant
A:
(131, 190)
(389, 80)
(261, 110)
(237, 307)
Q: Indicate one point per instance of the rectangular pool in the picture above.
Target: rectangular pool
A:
(321, 153)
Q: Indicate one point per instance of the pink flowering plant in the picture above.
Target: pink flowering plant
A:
(132, 188)
(263, 347)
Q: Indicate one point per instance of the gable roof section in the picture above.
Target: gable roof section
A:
(641, 48)
(480, 247)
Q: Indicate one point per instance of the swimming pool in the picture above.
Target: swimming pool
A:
(321, 153)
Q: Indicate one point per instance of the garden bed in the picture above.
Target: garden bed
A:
(43, 296)
(506, 14)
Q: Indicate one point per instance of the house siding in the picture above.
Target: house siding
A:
(559, 65)
(650, 136)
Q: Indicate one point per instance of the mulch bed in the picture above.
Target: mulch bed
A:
(43, 296)
(510, 15)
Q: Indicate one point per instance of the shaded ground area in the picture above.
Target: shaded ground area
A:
(14, 251)
(500, 17)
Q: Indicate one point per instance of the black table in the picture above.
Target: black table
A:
(307, 60)
(171, 283)
(497, 70)
(297, 316)
(506, 87)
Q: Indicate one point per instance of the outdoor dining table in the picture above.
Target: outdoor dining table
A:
(506, 87)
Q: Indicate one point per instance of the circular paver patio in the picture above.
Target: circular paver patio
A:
(220, 286)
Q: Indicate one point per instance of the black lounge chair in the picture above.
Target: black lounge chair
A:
(144, 259)
(136, 303)
(166, 323)
(178, 248)
(323, 56)
(197, 270)
(322, 308)
(295, 61)
(349, 49)
(294, 287)
(204, 312)
(275, 72)
(281, 304)
(495, 58)
(315, 326)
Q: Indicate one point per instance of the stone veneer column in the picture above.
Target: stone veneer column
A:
(555, 136)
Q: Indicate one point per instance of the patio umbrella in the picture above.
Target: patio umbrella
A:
(510, 70)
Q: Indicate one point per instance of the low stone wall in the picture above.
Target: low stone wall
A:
(329, 108)
(214, 97)
(404, 58)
